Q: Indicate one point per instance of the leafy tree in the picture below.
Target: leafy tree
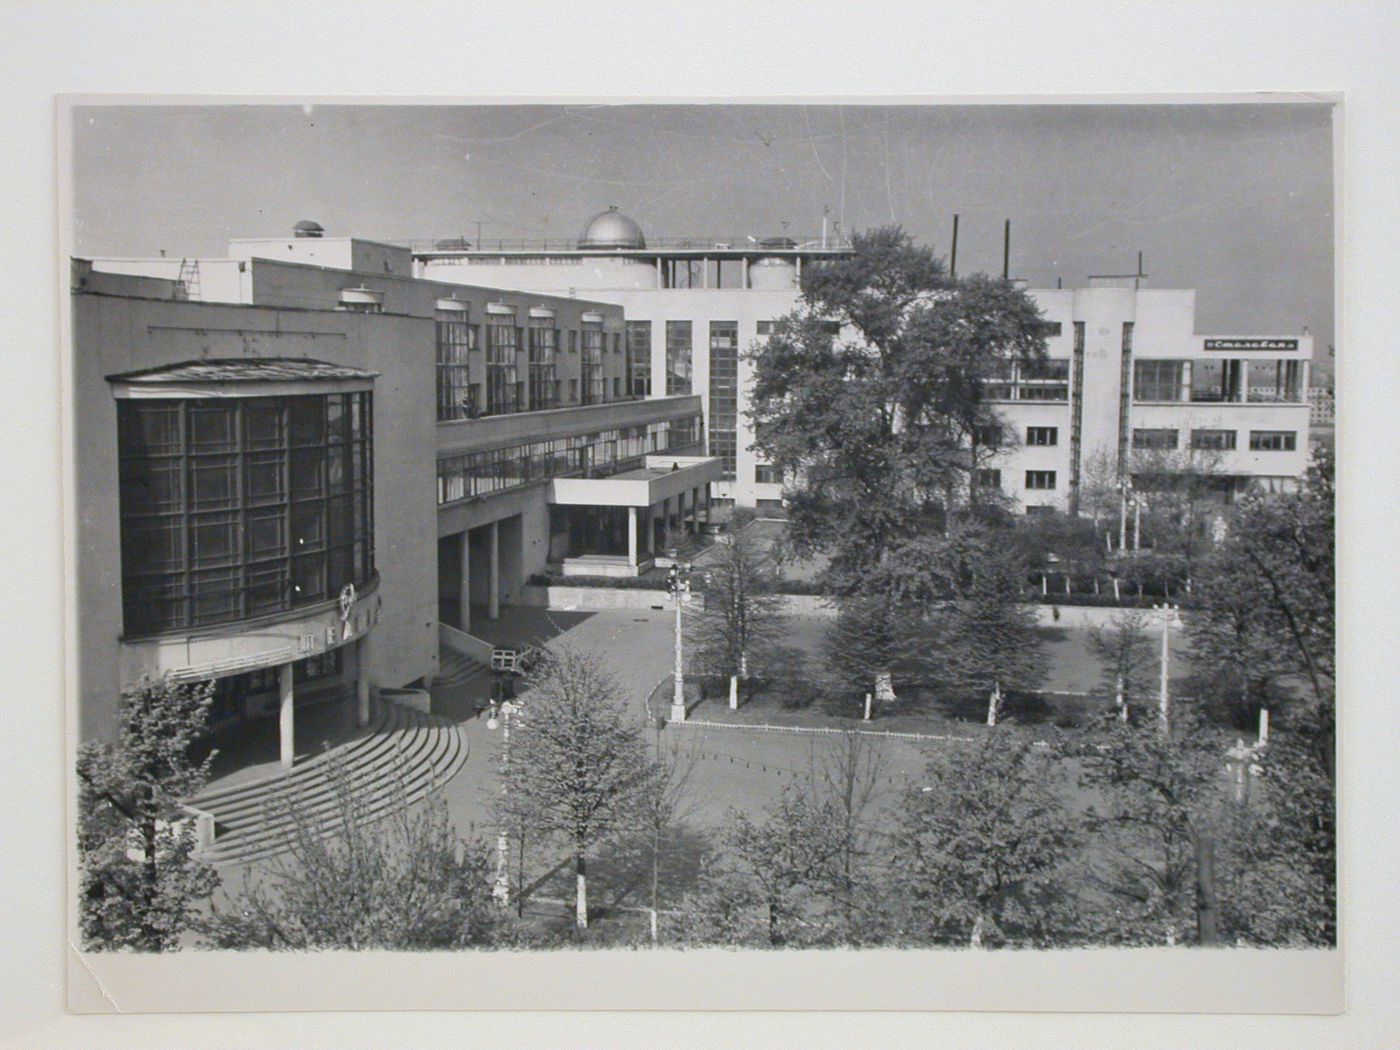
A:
(985, 640)
(1265, 634)
(1281, 885)
(1126, 651)
(1076, 547)
(1268, 602)
(140, 883)
(807, 872)
(1099, 496)
(662, 852)
(875, 426)
(742, 617)
(1162, 800)
(1182, 500)
(981, 852)
(847, 774)
(404, 882)
(868, 636)
(578, 768)
(769, 870)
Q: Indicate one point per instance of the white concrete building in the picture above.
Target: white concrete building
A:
(1128, 371)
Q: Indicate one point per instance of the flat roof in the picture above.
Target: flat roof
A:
(244, 370)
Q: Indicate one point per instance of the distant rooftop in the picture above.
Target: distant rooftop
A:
(243, 370)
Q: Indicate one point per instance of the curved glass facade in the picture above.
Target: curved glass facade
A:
(239, 507)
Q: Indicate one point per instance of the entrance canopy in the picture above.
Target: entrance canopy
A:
(662, 478)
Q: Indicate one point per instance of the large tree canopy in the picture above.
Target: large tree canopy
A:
(870, 397)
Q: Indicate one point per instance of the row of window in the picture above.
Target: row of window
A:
(1043, 480)
(1256, 380)
(602, 452)
(1216, 440)
(991, 436)
(232, 508)
(503, 390)
(1046, 380)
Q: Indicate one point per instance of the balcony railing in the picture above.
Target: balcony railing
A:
(742, 242)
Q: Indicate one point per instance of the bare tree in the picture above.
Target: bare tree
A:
(578, 768)
(742, 616)
(404, 882)
(1126, 651)
(1182, 495)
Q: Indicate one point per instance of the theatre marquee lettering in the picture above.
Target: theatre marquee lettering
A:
(1251, 344)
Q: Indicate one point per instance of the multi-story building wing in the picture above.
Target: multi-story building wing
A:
(1127, 371)
(1131, 389)
(692, 306)
(300, 469)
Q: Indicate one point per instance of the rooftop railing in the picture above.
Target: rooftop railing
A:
(735, 243)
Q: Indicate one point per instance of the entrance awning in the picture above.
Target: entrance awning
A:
(661, 478)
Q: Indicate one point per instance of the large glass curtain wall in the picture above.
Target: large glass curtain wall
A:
(639, 358)
(456, 338)
(724, 392)
(502, 346)
(594, 383)
(544, 344)
(240, 507)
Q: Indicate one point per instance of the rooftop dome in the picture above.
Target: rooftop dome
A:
(612, 229)
(307, 228)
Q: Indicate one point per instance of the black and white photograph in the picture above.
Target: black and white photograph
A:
(661, 526)
(740, 525)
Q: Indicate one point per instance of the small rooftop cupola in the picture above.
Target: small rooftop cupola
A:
(307, 228)
(612, 230)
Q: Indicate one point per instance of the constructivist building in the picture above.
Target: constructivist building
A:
(300, 471)
(1132, 391)
(1127, 375)
(692, 307)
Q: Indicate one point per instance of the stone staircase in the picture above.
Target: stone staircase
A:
(399, 758)
(455, 668)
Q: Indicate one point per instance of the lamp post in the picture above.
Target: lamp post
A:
(1168, 613)
(1124, 487)
(507, 709)
(678, 582)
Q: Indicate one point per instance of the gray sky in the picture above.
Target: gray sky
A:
(1233, 200)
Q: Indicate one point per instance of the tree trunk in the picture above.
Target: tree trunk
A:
(149, 891)
(976, 939)
(1207, 911)
(581, 902)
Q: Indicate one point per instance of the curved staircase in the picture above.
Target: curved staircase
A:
(399, 758)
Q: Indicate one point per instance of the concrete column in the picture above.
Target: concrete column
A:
(744, 281)
(493, 581)
(695, 509)
(466, 596)
(362, 712)
(286, 722)
(650, 519)
(632, 536)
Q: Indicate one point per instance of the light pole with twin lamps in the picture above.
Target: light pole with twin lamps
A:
(506, 710)
(678, 582)
(1168, 614)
